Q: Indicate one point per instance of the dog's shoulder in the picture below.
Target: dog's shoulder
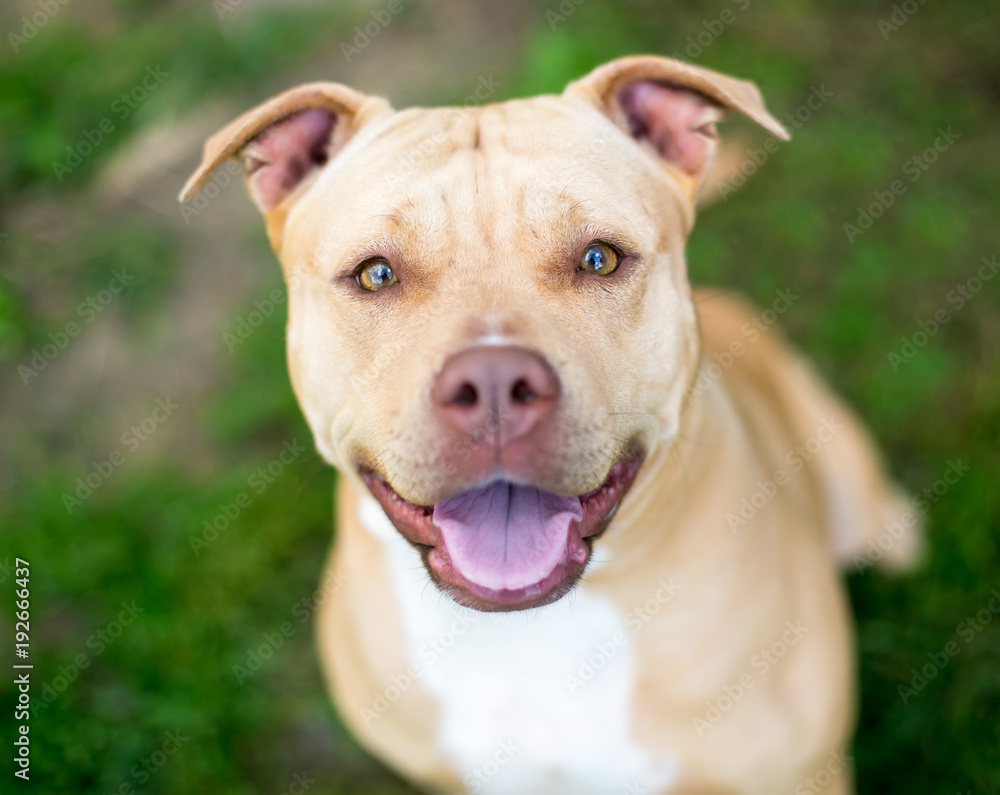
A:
(782, 397)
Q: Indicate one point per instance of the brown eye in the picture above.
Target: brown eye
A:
(600, 260)
(376, 274)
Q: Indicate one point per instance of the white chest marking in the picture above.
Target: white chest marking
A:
(511, 721)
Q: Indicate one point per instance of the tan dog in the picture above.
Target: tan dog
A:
(493, 338)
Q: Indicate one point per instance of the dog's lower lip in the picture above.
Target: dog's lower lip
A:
(414, 522)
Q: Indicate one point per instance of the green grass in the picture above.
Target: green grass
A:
(172, 668)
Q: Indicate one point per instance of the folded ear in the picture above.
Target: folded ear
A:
(672, 107)
(286, 140)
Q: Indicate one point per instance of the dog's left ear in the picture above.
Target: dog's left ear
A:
(672, 107)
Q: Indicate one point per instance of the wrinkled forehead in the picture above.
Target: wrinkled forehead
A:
(542, 167)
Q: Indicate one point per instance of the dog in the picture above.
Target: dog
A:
(589, 519)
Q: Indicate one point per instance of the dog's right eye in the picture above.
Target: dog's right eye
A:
(599, 260)
(375, 274)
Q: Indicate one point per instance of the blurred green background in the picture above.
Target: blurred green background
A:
(187, 280)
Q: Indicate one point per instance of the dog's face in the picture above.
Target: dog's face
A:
(489, 314)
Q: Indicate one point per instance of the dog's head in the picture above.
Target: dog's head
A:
(489, 315)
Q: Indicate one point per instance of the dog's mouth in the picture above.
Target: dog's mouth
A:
(505, 546)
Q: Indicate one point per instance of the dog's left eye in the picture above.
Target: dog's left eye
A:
(376, 274)
(600, 260)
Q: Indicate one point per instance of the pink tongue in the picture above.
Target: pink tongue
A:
(506, 536)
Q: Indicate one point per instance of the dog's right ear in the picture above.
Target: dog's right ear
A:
(284, 142)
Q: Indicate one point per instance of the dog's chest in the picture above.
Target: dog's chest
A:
(529, 702)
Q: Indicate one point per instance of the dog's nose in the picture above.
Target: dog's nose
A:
(495, 393)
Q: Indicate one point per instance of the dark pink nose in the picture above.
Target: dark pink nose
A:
(495, 393)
